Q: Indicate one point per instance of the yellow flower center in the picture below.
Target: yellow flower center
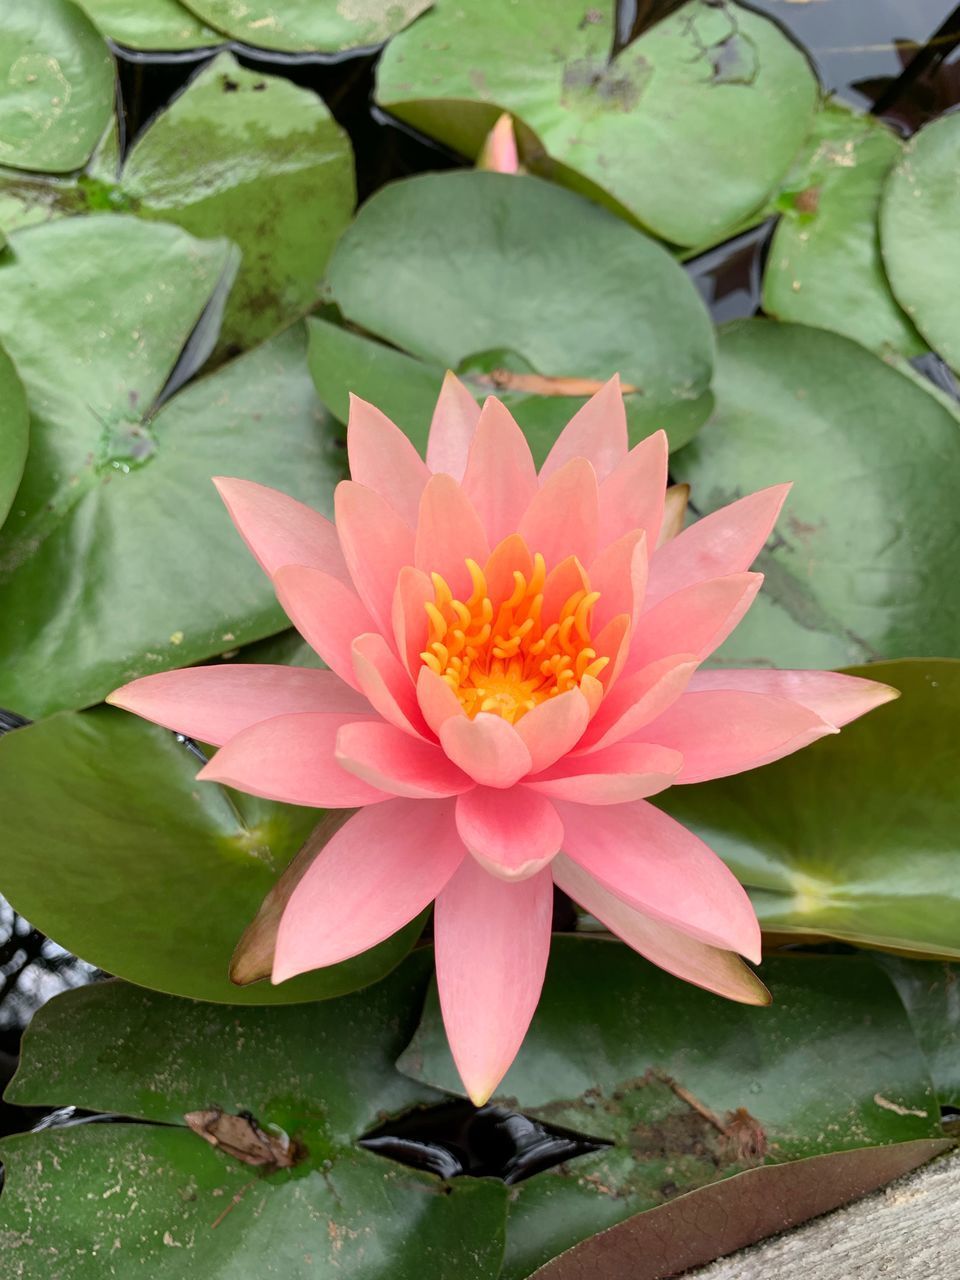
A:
(503, 656)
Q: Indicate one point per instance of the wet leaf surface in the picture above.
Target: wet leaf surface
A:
(931, 994)
(14, 432)
(150, 24)
(304, 26)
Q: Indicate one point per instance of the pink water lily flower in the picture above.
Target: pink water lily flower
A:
(514, 669)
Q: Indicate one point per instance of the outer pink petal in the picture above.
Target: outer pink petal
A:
(637, 699)
(512, 833)
(326, 613)
(616, 775)
(695, 620)
(280, 530)
(409, 615)
(392, 761)
(451, 428)
(436, 699)
(710, 967)
(487, 748)
(837, 698)
(492, 943)
(554, 727)
(597, 432)
(376, 544)
(725, 542)
(657, 866)
(383, 459)
(562, 519)
(619, 573)
(378, 872)
(386, 683)
(631, 497)
(499, 151)
(723, 731)
(213, 704)
(449, 532)
(500, 479)
(291, 759)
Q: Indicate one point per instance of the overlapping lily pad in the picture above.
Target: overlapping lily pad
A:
(56, 86)
(862, 565)
(502, 277)
(824, 267)
(114, 850)
(687, 130)
(14, 432)
(308, 26)
(690, 1088)
(931, 996)
(918, 227)
(150, 24)
(156, 1198)
(855, 837)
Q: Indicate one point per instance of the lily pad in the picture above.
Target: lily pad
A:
(824, 267)
(497, 276)
(687, 130)
(116, 851)
(855, 837)
(690, 1088)
(931, 994)
(862, 565)
(56, 86)
(308, 26)
(918, 234)
(150, 24)
(156, 1198)
(14, 432)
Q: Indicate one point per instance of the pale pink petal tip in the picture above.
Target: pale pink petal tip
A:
(499, 151)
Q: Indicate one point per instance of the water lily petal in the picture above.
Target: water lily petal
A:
(492, 942)
(326, 613)
(637, 699)
(451, 428)
(376, 544)
(382, 458)
(512, 833)
(449, 531)
(487, 748)
(507, 557)
(615, 775)
(563, 517)
(565, 579)
(392, 761)
(436, 699)
(597, 432)
(619, 573)
(554, 727)
(409, 615)
(280, 530)
(500, 479)
(386, 683)
(695, 620)
(631, 497)
(836, 697)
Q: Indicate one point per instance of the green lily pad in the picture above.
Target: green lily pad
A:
(931, 995)
(856, 836)
(178, 1206)
(687, 130)
(117, 852)
(150, 24)
(481, 272)
(14, 432)
(56, 86)
(824, 267)
(918, 234)
(861, 566)
(308, 26)
(613, 1041)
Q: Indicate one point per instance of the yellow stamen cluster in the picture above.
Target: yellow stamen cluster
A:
(504, 657)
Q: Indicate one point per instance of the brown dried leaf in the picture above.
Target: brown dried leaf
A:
(674, 512)
(241, 1137)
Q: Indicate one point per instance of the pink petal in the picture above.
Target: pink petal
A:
(695, 620)
(637, 699)
(386, 683)
(564, 580)
(507, 557)
(376, 545)
(613, 641)
(377, 873)
(449, 532)
(675, 502)
(436, 699)
(631, 497)
(213, 704)
(451, 428)
(492, 943)
(710, 967)
(597, 432)
(512, 833)
(836, 698)
(499, 151)
(280, 530)
(724, 731)
(326, 613)
(554, 727)
(487, 748)
(615, 775)
(383, 459)
(409, 614)
(619, 573)
(562, 519)
(392, 761)
(725, 542)
(656, 866)
(500, 479)
(291, 758)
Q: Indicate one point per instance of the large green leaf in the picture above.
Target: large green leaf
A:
(614, 1038)
(308, 26)
(484, 271)
(918, 230)
(159, 1201)
(824, 266)
(863, 564)
(687, 130)
(931, 994)
(124, 561)
(150, 24)
(14, 432)
(855, 837)
(114, 849)
(56, 86)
